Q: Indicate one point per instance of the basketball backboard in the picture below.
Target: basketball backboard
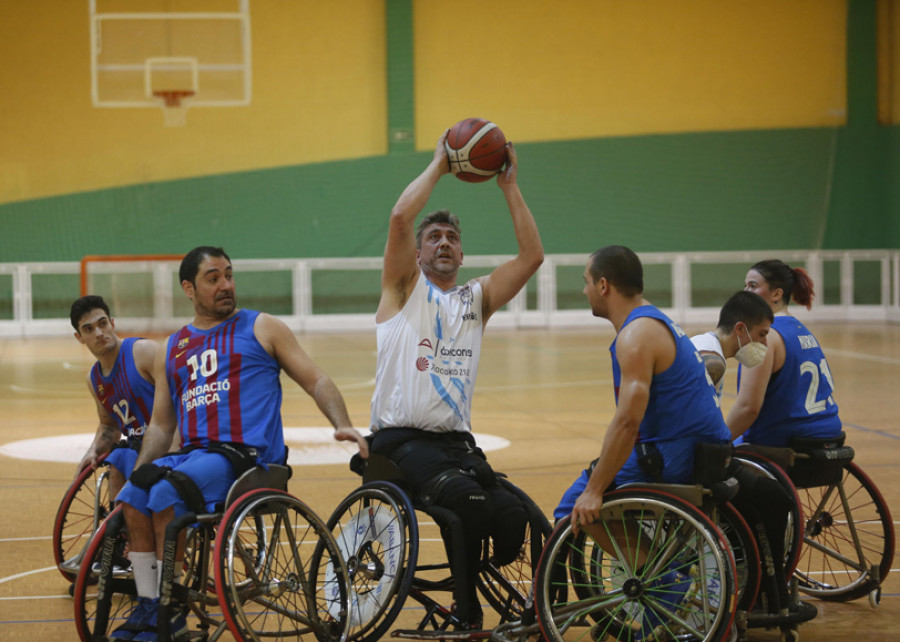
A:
(144, 52)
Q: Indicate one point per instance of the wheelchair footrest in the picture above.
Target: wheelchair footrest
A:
(804, 612)
(415, 634)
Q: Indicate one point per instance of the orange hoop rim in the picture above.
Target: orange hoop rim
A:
(172, 97)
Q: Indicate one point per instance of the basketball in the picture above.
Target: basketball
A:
(477, 150)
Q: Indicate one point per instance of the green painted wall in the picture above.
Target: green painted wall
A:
(709, 191)
(761, 134)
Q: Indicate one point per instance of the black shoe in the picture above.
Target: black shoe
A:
(473, 623)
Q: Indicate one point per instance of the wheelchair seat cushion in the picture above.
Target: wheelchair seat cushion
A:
(820, 461)
(806, 444)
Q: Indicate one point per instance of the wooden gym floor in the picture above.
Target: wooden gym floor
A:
(549, 393)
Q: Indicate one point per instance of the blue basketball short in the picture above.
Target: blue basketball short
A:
(212, 473)
(567, 503)
(122, 459)
(678, 456)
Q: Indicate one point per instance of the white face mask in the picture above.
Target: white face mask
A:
(752, 354)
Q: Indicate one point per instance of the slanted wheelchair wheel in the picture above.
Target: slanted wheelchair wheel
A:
(196, 587)
(684, 589)
(294, 586)
(376, 531)
(793, 537)
(506, 588)
(848, 537)
(85, 504)
(745, 551)
(104, 592)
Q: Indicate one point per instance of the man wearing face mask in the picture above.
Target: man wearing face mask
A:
(744, 323)
(742, 330)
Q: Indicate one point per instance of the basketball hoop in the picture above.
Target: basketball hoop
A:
(174, 103)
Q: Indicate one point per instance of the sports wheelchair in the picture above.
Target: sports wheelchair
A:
(377, 530)
(263, 567)
(84, 506)
(842, 522)
(654, 566)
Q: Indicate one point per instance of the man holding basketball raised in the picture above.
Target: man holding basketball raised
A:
(429, 332)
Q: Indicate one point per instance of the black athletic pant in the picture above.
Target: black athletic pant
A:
(448, 470)
(766, 505)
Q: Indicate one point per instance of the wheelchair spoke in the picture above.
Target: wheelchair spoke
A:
(848, 538)
(672, 580)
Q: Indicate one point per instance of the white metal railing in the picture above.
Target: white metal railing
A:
(544, 311)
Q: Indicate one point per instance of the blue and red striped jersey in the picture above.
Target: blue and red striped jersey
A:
(125, 394)
(226, 387)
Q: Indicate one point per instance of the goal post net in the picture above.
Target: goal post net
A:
(139, 289)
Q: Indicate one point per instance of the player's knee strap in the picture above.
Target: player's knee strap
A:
(147, 475)
(435, 488)
(510, 520)
(188, 489)
(462, 494)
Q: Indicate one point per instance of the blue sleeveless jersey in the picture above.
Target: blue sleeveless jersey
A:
(125, 394)
(682, 411)
(799, 398)
(226, 387)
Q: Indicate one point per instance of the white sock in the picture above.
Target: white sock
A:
(146, 576)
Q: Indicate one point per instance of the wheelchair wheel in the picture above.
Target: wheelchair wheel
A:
(849, 537)
(293, 585)
(745, 551)
(793, 537)
(196, 587)
(376, 531)
(85, 504)
(507, 588)
(104, 592)
(685, 588)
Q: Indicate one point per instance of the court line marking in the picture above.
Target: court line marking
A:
(531, 386)
(863, 356)
(310, 446)
(564, 384)
(56, 393)
(66, 596)
(871, 431)
(26, 574)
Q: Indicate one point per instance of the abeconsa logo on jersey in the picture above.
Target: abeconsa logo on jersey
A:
(456, 352)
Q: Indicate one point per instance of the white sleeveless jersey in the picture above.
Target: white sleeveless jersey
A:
(709, 342)
(428, 360)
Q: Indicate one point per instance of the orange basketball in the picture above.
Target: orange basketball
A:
(477, 150)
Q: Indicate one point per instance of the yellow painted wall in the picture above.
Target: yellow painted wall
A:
(542, 70)
(565, 70)
(889, 61)
(318, 95)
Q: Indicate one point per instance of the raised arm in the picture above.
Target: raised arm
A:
(400, 269)
(281, 343)
(501, 285)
